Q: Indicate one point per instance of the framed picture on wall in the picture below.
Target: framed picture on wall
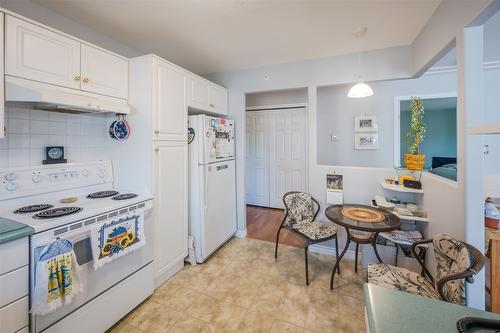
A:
(366, 141)
(365, 124)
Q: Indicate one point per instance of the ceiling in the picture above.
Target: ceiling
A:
(212, 36)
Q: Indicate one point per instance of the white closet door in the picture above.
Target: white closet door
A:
(257, 159)
(287, 153)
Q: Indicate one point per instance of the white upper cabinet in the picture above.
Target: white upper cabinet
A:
(103, 73)
(218, 99)
(198, 92)
(38, 54)
(170, 111)
(206, 96)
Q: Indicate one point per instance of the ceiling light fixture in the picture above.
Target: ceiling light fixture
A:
(360, 89)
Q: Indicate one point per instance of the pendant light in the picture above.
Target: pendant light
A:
(360, 89)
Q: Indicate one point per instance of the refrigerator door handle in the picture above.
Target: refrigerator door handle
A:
(205, 188)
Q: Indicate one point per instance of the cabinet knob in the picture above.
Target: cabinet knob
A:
(212, 105)
(157, 149)
(78, 78)
(157, 131)
(86, 80)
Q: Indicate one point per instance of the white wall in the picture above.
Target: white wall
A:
(336, 111)
(43, 15)
(438, 35)
(84, 136)
(377, 65)
(279, 97)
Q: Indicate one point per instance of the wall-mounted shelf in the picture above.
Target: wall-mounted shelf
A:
(400, 188)
(406, 217)
(485, 129)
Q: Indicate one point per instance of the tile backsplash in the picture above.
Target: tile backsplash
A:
(84, 136)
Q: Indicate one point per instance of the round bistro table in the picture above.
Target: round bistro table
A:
(334, 214)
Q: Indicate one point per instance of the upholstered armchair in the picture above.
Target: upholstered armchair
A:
(457, 263)
(301, 210)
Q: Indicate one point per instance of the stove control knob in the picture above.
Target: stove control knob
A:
(10, 176)
(11, 187)
(85, 173)
(36, 178)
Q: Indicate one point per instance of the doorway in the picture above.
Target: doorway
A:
(276, 154)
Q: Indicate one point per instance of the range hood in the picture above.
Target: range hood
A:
(43, 96)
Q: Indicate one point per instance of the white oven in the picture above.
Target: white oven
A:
(109, 292)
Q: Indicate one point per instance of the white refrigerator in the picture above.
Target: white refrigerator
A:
(212, 183)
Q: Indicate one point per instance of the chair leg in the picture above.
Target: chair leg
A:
(277, 240)
(356, 259)
(307, 266)
(337, 251)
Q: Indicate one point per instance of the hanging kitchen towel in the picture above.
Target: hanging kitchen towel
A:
(56, 277)
(111, 240)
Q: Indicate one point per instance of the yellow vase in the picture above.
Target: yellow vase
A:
(414, 162)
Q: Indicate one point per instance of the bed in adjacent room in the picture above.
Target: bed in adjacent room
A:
(445, 167)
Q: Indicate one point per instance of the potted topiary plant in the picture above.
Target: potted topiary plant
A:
(414, 160)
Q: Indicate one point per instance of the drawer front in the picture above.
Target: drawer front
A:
(14, 316)
(14, 255)
(14, 285)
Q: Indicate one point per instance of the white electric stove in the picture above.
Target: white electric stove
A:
(67, 201)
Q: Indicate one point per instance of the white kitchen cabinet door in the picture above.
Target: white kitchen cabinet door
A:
(103, 73)
(257, 159)
(218, 100)
(170, 110)
(35, 53)
(2, 81)
(287, 162)
(170, 205)
(198, 93)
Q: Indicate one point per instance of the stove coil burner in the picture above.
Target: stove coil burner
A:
(124, 196)
(32, 208)
(102, 194)
(57, 212)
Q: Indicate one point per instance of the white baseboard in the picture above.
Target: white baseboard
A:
(241, 233)
(316, 248)
(159, 280)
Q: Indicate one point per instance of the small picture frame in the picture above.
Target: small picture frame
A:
(366, 141)
(334, 182)
(365, 124)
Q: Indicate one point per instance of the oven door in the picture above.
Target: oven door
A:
(94, 282)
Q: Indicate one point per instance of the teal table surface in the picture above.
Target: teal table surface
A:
(11, 230)
(393, 311)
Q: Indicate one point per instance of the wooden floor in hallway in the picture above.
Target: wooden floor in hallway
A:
(263, 224)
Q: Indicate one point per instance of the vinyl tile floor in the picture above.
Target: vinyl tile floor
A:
(242, 288)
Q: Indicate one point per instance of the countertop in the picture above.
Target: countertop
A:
(393, 311)
(11, 230)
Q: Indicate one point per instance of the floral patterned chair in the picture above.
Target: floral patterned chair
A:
(457, 262)
(301, 210)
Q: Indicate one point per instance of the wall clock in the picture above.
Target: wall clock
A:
(54, 155)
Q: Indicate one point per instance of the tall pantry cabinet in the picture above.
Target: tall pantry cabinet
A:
(158, 146)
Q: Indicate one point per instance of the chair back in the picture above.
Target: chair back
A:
(456, 262)
(299, 206)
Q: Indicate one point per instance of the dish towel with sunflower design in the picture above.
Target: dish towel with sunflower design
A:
(56, 277)
(112, 239)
